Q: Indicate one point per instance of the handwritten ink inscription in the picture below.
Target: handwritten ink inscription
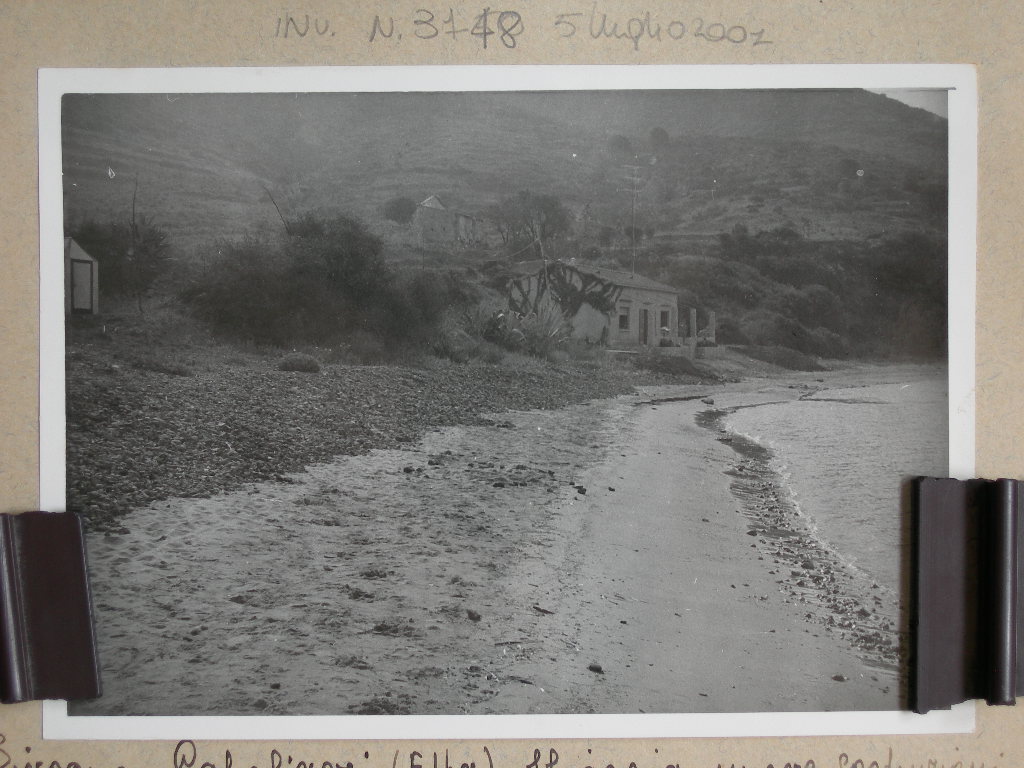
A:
(429, 24)
(490, 28)
(8, 760)
(302, 25)
(186, 755)
(648, 28)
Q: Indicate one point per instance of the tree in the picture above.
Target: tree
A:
(634, 233)
(342, 252)
(400, 209)
(659, 138)
(548, 218)
(147, 256)
(606, 236)
(531, 217)
(508, 220)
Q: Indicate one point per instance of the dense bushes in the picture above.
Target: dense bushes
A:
(885, 298)
(771, 329)
(324, 283)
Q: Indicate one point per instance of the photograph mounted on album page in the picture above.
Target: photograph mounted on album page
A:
(561, 400)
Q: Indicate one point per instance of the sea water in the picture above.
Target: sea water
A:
(843, 452)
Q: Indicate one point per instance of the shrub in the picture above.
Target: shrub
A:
(400, 209)
(538, 333)
(452, 342)
(420, 302)
(480, 319)
(659, 138)
(345, 254)
(297, 361)
(464, 332)
(247, 291)
(770, 329)
(829, 344)
(728, 331)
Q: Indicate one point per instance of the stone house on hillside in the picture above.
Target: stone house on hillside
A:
(612, 307)
(436, 224)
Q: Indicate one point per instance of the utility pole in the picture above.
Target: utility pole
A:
(633, 179)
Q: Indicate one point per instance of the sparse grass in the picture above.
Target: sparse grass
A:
(163, 324)
(783, 357)
(362, 348)
(156, 365)
(671, 365)
(579, 351)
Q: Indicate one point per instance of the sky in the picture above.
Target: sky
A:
(931, 99)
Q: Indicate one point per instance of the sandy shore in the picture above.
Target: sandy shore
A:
(617, 556)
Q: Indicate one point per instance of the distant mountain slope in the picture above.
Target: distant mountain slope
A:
(706, 159)
(854, 120)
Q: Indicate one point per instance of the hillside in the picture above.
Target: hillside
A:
(766, 159)
(813, 220)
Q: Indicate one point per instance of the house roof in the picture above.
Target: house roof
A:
(69, 243)
(434, 202)
(613, 276)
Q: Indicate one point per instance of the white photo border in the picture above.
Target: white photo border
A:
(958, 80)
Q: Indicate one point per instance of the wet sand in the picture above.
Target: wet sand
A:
(619, 556)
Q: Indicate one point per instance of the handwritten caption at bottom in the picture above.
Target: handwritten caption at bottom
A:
(187, 755)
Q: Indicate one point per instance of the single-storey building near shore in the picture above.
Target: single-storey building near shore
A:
(81, 280)
(436, 224)
(617, 308)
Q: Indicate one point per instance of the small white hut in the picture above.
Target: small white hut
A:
(81, 280)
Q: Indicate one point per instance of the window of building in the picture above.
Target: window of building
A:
(664, 319)
(624, 319)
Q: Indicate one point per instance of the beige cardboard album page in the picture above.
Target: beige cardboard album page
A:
(546, 409)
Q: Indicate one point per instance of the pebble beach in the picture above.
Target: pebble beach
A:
(623, 554)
